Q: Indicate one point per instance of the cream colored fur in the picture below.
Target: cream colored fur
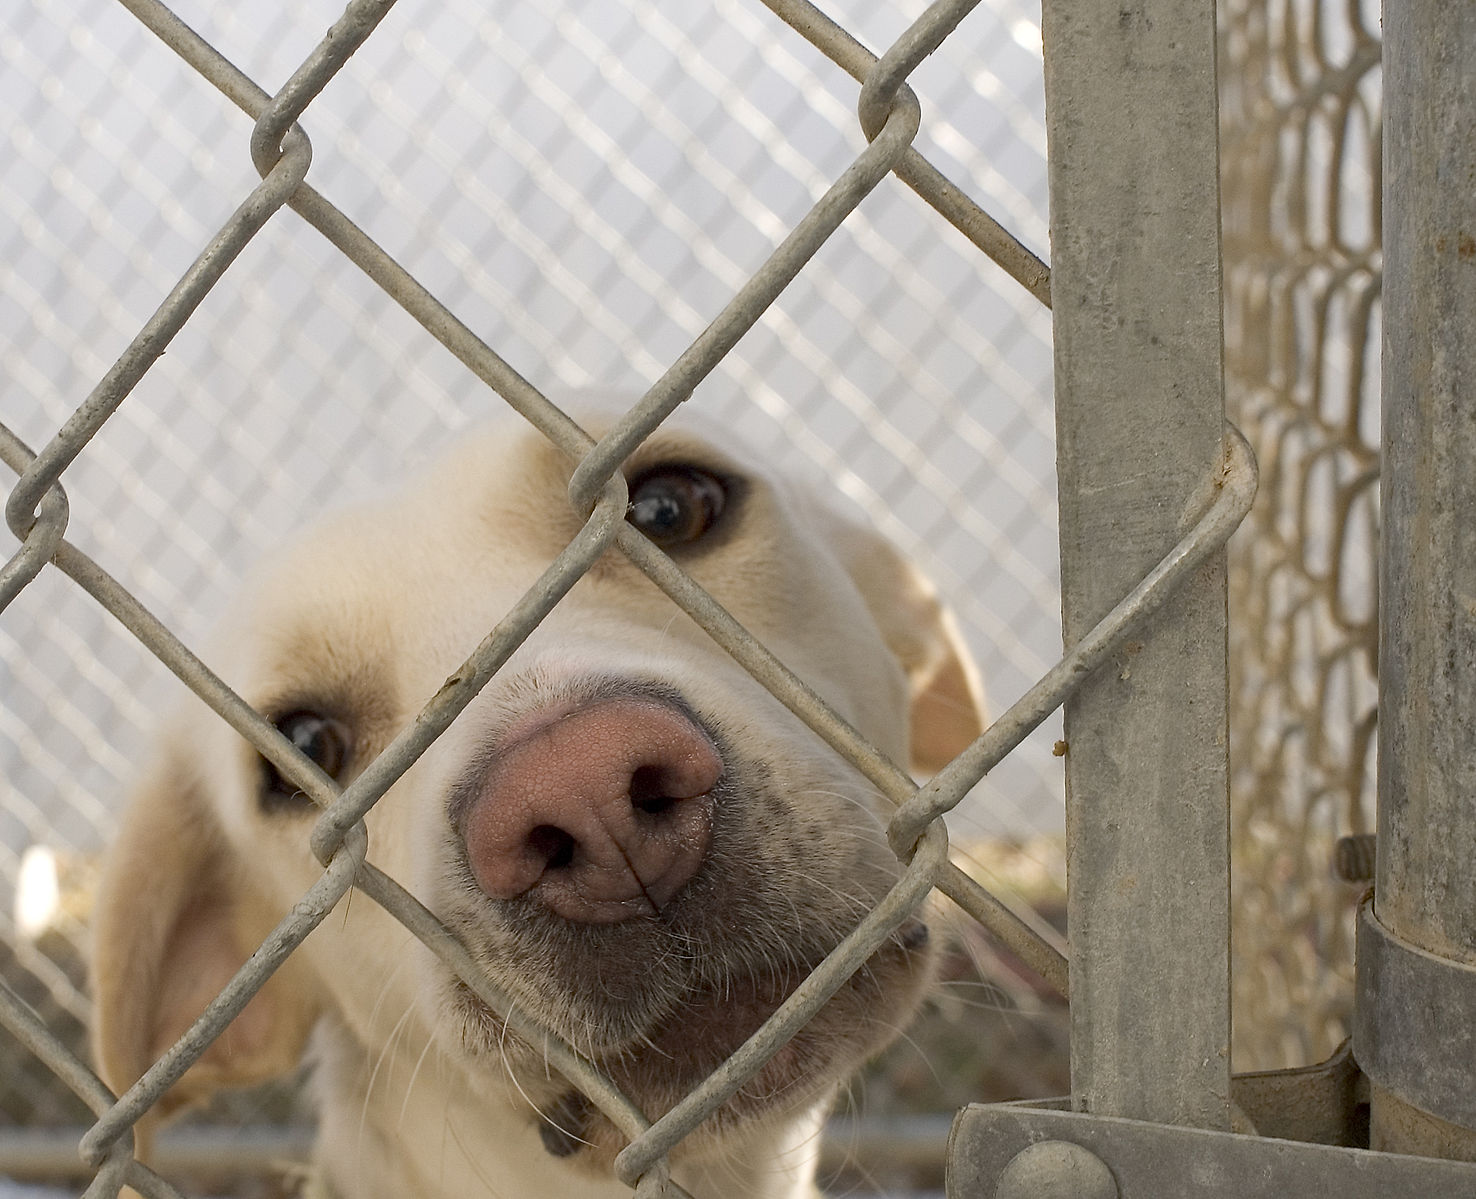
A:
(420, 1095)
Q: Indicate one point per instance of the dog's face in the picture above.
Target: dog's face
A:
(638, 843)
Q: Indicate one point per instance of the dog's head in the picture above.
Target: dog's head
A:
(639, 843)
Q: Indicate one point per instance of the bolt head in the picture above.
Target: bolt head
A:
(1056, 1170)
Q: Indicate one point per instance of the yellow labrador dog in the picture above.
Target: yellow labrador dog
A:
(631, 836)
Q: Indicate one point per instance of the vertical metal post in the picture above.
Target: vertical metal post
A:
(1417, 947)
(1131, 113)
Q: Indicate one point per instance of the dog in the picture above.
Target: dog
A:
(636, 841)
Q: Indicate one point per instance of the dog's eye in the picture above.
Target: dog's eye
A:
(322, 739)
(673, 505)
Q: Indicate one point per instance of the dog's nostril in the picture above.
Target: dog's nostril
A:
(649, 792)
(554, 846)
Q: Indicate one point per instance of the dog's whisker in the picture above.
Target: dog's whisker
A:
(388, 982)
(414, 1073)
(384, 1055)
(473, 1161)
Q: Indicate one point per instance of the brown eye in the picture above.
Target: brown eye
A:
(675, 505)
(322, 739)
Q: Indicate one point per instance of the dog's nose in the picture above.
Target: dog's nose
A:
(602, 814)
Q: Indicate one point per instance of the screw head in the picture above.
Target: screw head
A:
(1056, 1170)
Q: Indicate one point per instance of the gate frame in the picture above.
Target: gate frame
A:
(1131, 112)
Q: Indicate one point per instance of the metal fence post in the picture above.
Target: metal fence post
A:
(1416, 1020)
(1132, 125)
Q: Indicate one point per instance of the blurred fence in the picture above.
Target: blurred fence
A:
(1300, 109)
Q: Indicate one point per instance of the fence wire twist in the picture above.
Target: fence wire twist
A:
(37, 513)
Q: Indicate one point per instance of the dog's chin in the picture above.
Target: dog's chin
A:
(659, 1064)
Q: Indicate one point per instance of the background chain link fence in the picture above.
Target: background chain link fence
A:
(585, 186)
(1300, 96)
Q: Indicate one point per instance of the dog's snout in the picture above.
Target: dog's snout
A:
(601, 814)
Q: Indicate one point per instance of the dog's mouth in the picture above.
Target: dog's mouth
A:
(658, 1066)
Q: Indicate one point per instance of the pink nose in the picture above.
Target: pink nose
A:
(601, 815)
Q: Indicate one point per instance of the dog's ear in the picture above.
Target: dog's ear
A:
(947, 695)
(174, 920)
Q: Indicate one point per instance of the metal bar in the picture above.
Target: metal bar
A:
(1416, 1026)
(1326, 1103)
(1153, 1161)
(210, 1153)
(1425, 889)
(218, 1153)
(1131, 118)
(1236, 483)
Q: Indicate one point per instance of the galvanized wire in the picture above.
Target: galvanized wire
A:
(154, 337)
(223, 420)
(890, 117)
(1235, 490)
(28, 675)
(880, 79)
(281, 152)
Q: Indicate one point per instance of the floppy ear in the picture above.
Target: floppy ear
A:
(947, 695)
(174, 921)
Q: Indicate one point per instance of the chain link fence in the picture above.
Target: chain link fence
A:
(1300, 94)
(586, 187)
